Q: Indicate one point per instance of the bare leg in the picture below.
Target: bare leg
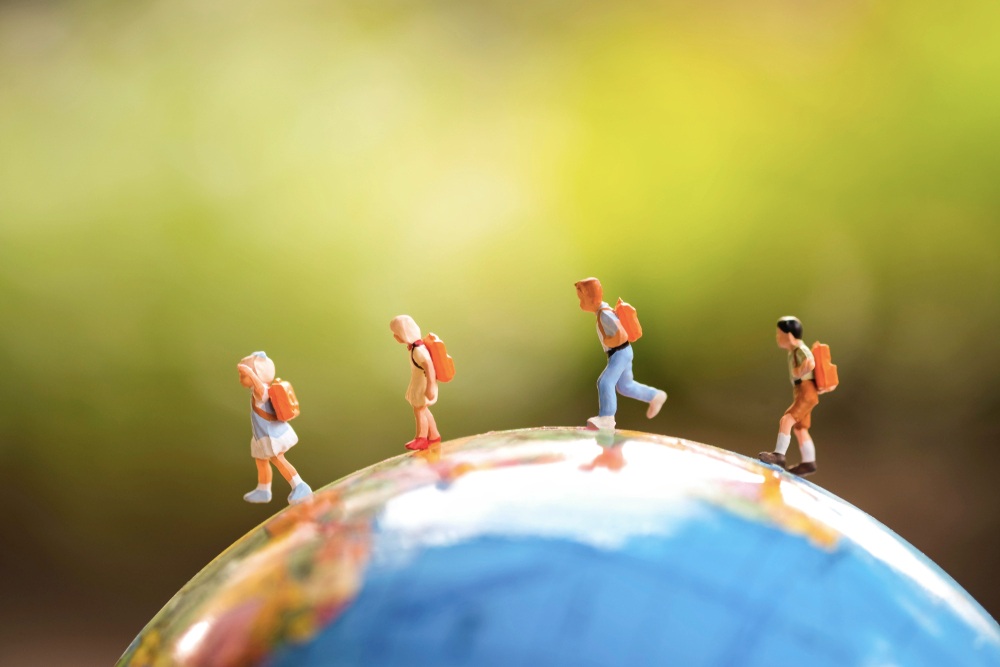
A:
(786, 424)
(425, 422)
(808, 450)
(433, 433)
(262, 494)
(263, 471)
(420, 415)
(777, 457)
(300, 490)
(284, 467)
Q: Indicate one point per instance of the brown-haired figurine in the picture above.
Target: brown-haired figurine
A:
(271, 437)
(422, 391)
(798, 417)
(618, 374)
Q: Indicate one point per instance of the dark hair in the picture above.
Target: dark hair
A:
(791, 325)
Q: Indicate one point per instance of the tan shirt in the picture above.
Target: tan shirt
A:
(795, 359)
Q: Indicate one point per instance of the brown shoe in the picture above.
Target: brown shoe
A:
(772, 457)
(803, 469)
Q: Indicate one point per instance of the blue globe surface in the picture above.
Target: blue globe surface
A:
(564, 546)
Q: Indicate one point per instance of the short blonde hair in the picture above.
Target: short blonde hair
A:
(404, 327)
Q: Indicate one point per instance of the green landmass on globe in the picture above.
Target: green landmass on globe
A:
(566, 546)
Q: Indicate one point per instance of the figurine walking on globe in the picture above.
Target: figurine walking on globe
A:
(430, 364)
(616, 328)
(808, 379)
(271, 406)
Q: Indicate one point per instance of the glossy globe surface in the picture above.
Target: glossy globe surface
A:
(562, 546)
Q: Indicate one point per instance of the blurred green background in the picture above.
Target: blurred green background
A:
(183, 182)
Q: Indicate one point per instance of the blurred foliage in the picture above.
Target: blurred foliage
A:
(182, 183)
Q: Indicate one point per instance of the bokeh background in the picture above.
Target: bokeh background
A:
(184, 182)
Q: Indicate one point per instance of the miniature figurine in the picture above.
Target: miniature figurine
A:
(798, 417)
(430, 364)
(615, 339)
(272, 437)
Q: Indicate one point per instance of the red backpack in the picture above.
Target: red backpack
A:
(825, 372)
(444, 365)
(629, 319)
(283, 400)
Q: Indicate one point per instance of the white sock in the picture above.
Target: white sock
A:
(808, 450)
(783, 441)
(295, 481)
(264, 487)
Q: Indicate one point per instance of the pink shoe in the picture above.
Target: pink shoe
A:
(418, 443)
(435, 441)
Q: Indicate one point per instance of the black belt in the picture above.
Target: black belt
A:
(799, 381)
(612, 350)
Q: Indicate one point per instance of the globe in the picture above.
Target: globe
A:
(569, 547)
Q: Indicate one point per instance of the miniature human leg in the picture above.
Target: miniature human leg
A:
(777, 457)
(808, 451)
(421, 414)
(433, 435)
(606, 396)
(627, 386)
(300, 490)
(262, 494)
(798, 416)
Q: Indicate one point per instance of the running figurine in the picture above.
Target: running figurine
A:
(272, 435)
(616, 328)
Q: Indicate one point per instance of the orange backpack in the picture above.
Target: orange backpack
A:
(629, 319)
(444, 365)
(283, 400)
(825, 371)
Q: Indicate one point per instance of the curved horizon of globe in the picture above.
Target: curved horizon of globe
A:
(593, 546)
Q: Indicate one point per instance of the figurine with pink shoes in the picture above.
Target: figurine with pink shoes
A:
(429, 365)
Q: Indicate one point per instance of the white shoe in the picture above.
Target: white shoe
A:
(258, 496)
(656, 404)
(299, 493)
(601, 423)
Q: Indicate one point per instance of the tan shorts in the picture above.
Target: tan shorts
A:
(802, 406)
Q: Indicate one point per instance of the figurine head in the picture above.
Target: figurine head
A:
(789, 333)
(261, 366)
(590, 293)
(404, 329)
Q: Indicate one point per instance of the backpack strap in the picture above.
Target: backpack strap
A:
(262, 413)
(604, 334)
(415, 344)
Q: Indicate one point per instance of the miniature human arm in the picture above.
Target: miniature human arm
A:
(609, 323)
(424, 359)
(808, 363)
(247, 374)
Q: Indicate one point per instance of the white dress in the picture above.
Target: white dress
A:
(416, 392)
(269, 438)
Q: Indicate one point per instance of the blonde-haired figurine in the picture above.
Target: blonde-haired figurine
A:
(271, 436)
(423, 389)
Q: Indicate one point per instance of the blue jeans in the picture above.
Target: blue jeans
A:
(618, 375)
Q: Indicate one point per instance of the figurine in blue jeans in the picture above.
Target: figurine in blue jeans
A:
(618, 375)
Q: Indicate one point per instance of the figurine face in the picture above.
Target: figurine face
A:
(785, 341)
